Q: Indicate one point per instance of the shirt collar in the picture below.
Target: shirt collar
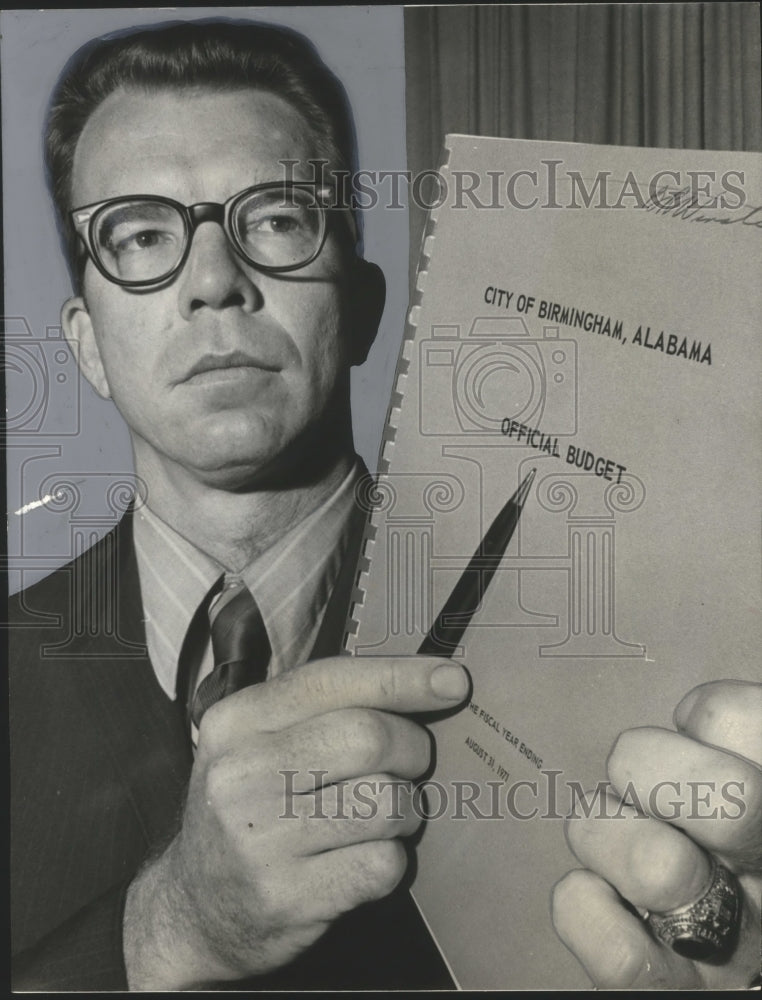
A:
(291, 581)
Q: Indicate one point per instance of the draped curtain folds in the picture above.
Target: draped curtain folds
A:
(679, 75)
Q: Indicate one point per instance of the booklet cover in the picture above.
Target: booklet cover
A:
(591, 312)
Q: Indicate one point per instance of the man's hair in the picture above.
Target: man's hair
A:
(220, 55)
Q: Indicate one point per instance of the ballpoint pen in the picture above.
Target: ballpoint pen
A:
(452, 621)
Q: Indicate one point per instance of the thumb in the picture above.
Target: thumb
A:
(725, 714)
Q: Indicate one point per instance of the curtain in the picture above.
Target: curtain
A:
(680, 75)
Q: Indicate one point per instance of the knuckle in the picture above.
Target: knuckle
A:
(226, 781)
(218, 778)
(577, 830)
(619, 959)
(410, 822)
(742, 829)
(707, 698)
(566, 893)
(365, 828)
(660, 869)
(369, 738)
(751, 787)
(386, 866)
(402, 798)
(391, 810)
(389, 682)
(213, 726)
(653, 868)
(717, 698)
(423, 753)
(363, 807)
(622, 750)
(318, 681)
(298, 754)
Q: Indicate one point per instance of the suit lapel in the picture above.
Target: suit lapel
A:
(141, 729)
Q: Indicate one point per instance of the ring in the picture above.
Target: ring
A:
(706, 929)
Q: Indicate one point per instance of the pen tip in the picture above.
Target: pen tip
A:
(523, 490)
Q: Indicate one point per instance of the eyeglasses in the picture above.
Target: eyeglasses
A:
(143, 240)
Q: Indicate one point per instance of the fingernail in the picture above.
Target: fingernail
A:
(449, 681)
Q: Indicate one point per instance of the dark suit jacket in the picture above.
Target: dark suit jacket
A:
(100, 759)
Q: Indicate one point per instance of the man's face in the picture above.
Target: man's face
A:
(223, 371)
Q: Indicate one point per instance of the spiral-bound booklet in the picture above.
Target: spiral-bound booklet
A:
(591, 312)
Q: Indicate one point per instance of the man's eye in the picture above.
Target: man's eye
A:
(143, 239)
(274, 224)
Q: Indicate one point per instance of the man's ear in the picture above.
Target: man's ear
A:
(78, 328)
(367, 297)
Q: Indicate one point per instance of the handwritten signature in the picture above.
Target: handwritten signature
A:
(685, 203)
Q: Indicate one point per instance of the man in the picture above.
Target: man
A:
(221, 310)
(230, 363)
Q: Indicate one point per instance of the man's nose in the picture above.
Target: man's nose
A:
(213, 275)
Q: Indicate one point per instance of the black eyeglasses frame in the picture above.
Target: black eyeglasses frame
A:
(193, 216)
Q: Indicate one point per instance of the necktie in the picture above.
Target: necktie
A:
(241, 651)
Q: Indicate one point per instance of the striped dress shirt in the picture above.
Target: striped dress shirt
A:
(291, 583)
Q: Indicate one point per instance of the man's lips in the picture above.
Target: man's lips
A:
(222, 362)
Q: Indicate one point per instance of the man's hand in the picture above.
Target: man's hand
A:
(271, 850)
(713, 759)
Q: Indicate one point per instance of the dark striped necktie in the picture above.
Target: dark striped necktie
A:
(241, 650)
